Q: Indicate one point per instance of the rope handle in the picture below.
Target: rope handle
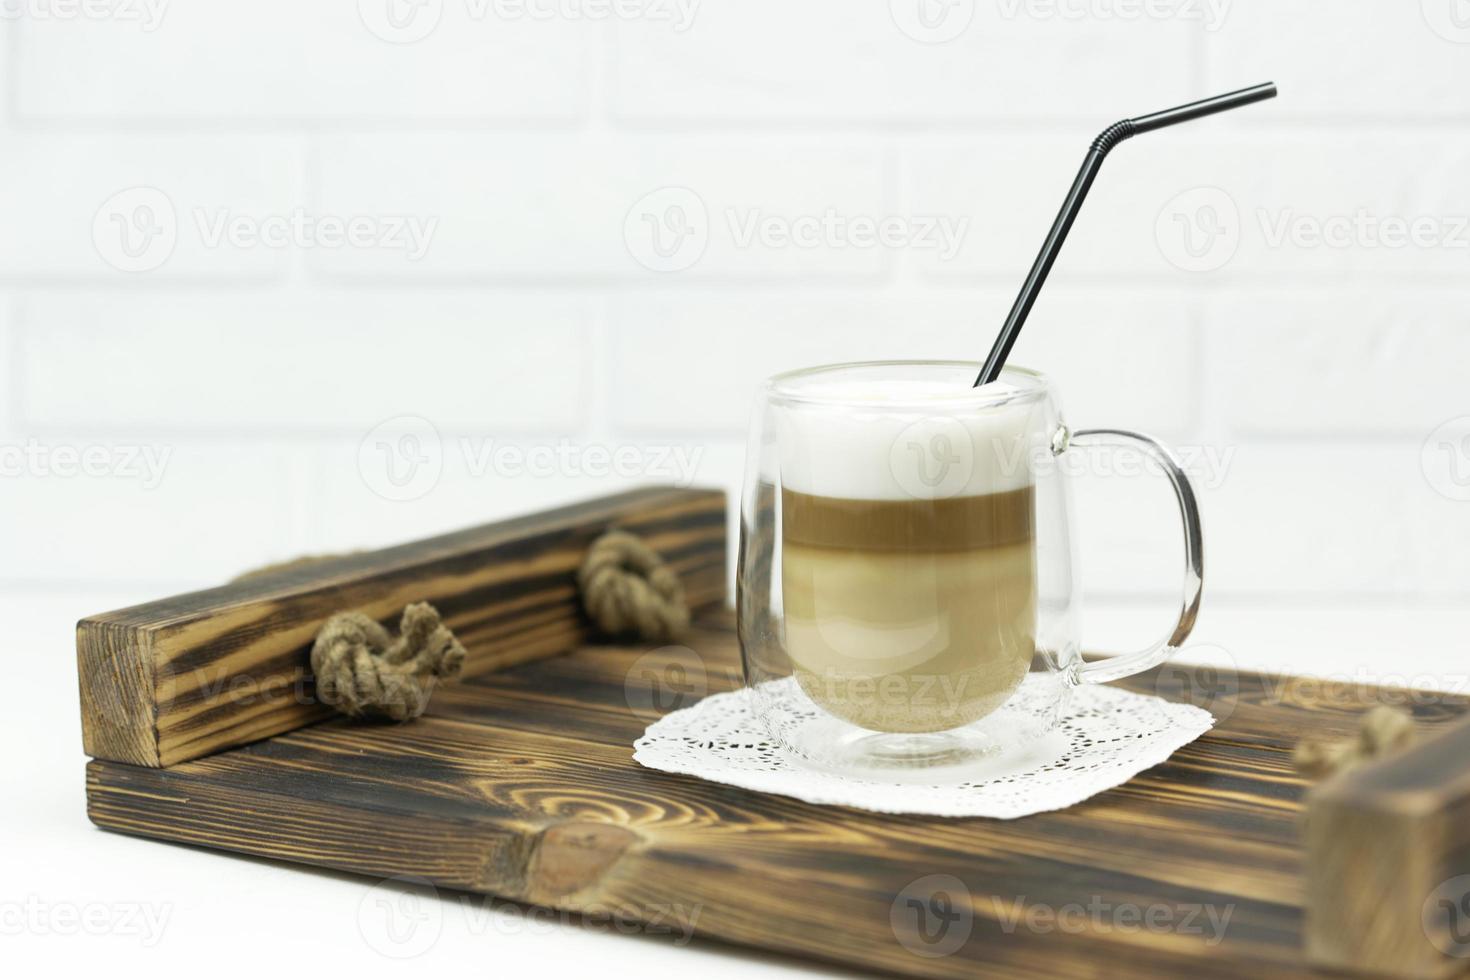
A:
(1381, 732)
(364, 671)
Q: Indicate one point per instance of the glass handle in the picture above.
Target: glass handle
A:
(1115, 668)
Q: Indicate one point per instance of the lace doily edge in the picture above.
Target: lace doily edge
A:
(1189, 723)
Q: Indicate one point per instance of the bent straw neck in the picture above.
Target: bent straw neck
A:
(1097, 151)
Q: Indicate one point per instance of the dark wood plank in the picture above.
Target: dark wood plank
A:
(521, 784)
(177, 679)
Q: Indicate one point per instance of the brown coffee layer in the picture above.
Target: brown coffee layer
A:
(949, 524)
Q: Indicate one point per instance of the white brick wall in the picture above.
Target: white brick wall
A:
(706, 352)
(54, 188)
(572, 194)
(1342, 362)
(297, 362)
(279, 60)
(776, 61)
(1356, 59)
(1320, 204)
(561, 233)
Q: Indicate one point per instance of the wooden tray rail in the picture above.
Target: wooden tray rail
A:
(181, 678)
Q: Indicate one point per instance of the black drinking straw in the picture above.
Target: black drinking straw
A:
(1110, 137)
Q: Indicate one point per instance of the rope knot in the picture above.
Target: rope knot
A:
(628, 589)
(1381, 732)
(362, 670)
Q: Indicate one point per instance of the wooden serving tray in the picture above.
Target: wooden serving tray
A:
(521, 784)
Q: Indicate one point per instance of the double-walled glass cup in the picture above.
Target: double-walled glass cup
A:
(906, 589)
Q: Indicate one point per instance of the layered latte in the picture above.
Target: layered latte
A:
(908, 557)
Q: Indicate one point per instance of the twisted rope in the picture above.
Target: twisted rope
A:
(364, 671)
(361, 670)
(628, 590)
(1381, 732)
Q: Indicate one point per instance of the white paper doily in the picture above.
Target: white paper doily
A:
(1105, 737)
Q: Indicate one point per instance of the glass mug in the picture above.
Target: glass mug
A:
(906, 586)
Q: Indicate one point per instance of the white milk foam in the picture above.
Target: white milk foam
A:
(904, 439)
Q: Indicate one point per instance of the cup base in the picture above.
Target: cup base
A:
(915, 750)
(1019, 737)
(976, 753)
